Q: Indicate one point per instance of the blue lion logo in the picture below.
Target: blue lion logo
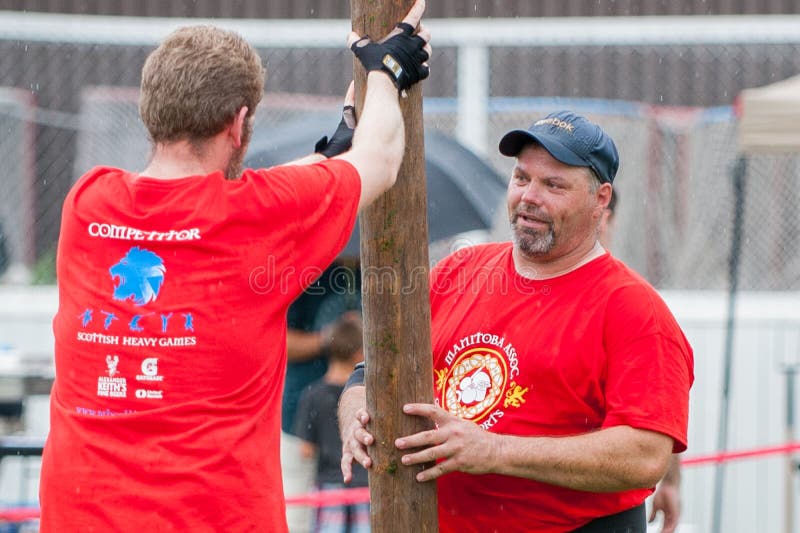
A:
(140, 273)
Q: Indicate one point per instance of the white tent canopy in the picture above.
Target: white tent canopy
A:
(769, 119)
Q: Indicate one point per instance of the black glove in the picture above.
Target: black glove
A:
(402, 55)
(342, 138)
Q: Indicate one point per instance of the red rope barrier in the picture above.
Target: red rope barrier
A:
(724, 457)
(331, 497)
(19, 514)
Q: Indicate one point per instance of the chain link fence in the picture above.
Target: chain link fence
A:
(67, 106)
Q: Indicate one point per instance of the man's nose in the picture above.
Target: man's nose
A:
(532, 193)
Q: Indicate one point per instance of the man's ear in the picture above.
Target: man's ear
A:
(604, 193)
(237, 127)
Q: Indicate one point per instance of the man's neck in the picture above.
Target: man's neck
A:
(180, 159)
(534, 268)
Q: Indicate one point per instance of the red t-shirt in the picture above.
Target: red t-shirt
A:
(171, 344)
(593, 348)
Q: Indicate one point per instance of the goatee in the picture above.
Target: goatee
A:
(529, 241)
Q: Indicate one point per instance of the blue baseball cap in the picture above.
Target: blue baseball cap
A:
(570, 138)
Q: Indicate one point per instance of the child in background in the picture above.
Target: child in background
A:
(316, 424)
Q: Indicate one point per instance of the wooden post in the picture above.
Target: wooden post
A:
(394, 262)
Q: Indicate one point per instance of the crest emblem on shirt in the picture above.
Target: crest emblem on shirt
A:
(479, 382)
(474, 384)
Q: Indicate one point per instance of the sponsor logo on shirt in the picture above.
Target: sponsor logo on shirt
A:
(149, 373)
(150, 370)
(112, 361)
(478, 382)
(110, 386)
(147, 394)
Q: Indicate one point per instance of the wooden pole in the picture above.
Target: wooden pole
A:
(394, 262)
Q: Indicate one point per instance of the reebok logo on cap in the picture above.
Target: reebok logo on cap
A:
(556, 122)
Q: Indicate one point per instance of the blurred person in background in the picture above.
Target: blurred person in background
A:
(174, 284)
(309, 321)
(561, 378)
(667, 498)
(316, 424)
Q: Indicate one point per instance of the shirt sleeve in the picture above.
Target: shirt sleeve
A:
(307, 213)
(649, 366)
(357, 378)
(327, 196)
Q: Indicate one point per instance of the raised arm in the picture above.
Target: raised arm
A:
(393, 64)
(376, 147)
(379, 139)
(303, 345)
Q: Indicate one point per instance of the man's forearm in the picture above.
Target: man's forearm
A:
(380, 126)
(303, 345)
(379, 139)
(609, 460)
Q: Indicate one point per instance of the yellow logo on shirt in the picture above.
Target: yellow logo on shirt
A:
(515, 395)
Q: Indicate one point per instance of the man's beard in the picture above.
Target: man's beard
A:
(234, 169)
(529, 241)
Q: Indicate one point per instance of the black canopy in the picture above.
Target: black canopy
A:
(464, 191)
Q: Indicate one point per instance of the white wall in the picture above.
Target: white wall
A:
(767, 338)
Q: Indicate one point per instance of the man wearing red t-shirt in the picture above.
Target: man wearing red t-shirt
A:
(667, 496)
(561, 378)
(174, 284)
